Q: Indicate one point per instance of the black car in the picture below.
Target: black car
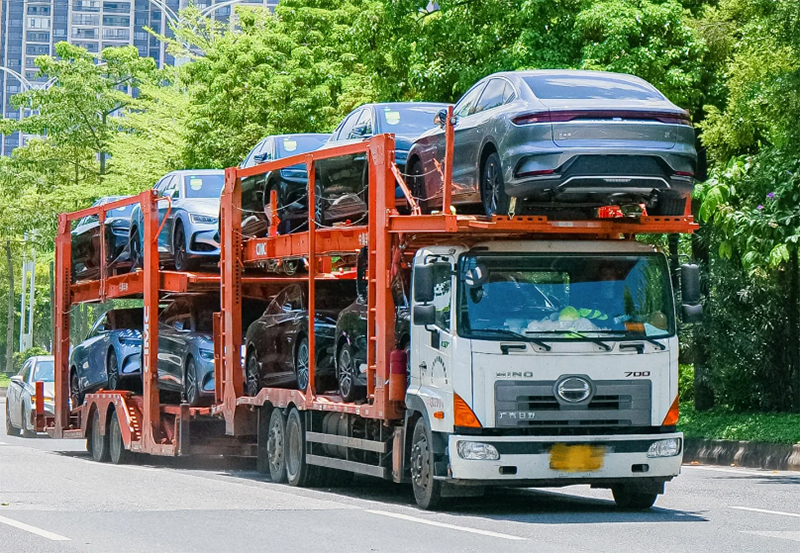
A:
(86, 253)
(277, 342)
(341, 191)
(351, 338)
(290, 183)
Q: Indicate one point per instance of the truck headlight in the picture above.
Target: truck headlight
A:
(665, 448)
(477, 451)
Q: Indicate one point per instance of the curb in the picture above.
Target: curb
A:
(742, 454)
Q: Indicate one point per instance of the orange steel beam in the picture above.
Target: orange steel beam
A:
(273, 207)
(96, 210)
(328, 241)
(300, 159)
(63, 299)
(447, 183)
(312, 272)
(151, 416)
(103, 268)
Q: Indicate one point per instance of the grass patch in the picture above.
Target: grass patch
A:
(724, 424)
(4, 381)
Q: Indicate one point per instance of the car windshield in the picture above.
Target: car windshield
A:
(565, 296)
(204, 186)
(590, 87)
(406, 120)
(124, 211)
(294, 145)
(43, 372)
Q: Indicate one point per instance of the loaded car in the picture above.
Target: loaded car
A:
(351, 335)
(86, 253)
(109, 357)
(561, 139)
(290, 183)
(186, 349)
(20, 397)
(189, 236)
(277, 342)
(341, 190)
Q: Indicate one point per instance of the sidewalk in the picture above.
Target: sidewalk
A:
(742, 454)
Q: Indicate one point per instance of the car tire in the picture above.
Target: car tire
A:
(668, 207)
(11, 430)
(191, 386)
(181, 258)
(319, 207)
(346, 375)
(630, 499)
(298, 472)
(116, 446)
(112, 370)
(301, 363)
(75, 394)
(493, 191)
(427, 490)
(276, 447)
(99, 441)
(25, 420)
(135, 246)
(417, 185)
(252, 374)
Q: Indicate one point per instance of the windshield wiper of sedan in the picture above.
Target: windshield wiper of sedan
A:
(515, 335)
(576, 334)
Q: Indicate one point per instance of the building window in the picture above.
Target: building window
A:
(38, 37)
(84, 33)
(117, 34)
(84, 19)
(38, 23)
(116, 7)
(86, 5)
(116, 21)
(38, 10)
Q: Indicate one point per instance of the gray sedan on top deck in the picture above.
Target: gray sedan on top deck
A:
(561, 139)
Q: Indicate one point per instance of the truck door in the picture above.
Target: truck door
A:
(431, 359)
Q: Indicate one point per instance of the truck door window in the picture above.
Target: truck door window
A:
(441, 295)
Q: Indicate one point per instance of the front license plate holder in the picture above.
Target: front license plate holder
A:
(576, 457)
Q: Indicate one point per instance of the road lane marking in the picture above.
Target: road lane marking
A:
(33, 529)
(449, 526)
(765, 511)
(745, 472)
(783, 534)
(3, 443)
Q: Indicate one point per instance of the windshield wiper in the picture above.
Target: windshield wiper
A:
(580, 335)
(653, 341)
(516, 335)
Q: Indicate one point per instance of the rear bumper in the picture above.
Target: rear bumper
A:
(625, 459)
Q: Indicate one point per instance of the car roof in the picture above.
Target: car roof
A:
(403, 105)
(296, 134)
(566, 73)
(38, 358)
(107, 200)
(197, 172)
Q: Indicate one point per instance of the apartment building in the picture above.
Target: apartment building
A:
(30, 28)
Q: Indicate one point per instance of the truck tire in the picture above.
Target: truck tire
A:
(11, 430)
(99, 441)
(632, 499)
(427, 490)
(299, 473)
(116, 447)
(276, 447)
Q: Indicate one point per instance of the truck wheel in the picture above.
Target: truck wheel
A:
(11, 430)
(427, 491)
(298, 472)
(116, 447)
(99, 441)
(26, 419)
(629, 498)
(276, 447)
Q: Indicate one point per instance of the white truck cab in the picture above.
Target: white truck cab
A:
(544, 363)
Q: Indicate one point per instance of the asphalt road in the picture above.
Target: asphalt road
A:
(54, 498)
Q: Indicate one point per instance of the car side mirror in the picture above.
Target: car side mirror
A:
(423, 283)
(101, 328)
(424, 315)
(362, 131)
(691, 308)
(440, 118)
(18, 379)
(178, 325)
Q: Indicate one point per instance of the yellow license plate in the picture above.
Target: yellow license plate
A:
(576, 458)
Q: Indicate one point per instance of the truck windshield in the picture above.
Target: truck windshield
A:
(565, 297)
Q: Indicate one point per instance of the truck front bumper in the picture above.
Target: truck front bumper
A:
(529, 461)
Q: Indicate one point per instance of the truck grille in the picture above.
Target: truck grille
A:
(534, 404)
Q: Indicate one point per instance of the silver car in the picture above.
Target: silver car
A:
(190, 235)
(560, 140)
(20, 403)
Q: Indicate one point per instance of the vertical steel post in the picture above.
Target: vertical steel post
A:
(449, 138)
(151, 408)
(231, 275)
(312, 275)
(63, 303)
(101, 219)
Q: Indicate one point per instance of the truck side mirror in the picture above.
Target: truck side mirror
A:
(691, 309)
(423, 283)
(424, 315)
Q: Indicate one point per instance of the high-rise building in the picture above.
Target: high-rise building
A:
(30, 28)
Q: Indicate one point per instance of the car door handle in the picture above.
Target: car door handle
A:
(423, 365)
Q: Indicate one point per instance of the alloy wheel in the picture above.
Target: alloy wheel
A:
(112, 370)
(253, 377)
(301, 364)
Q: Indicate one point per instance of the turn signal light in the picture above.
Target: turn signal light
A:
(463, 415)
(672, 415)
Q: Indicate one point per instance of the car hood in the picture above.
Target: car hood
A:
(201, 206)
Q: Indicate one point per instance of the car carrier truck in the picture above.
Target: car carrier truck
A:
(539, 352)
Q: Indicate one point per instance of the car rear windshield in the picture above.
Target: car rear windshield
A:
(204, 186)
(407, 120)
(295, 145)
(590, 87)
(43, 372)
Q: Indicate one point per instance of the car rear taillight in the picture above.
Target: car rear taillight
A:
(532, 118)
(684, 173)
(565, 116)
